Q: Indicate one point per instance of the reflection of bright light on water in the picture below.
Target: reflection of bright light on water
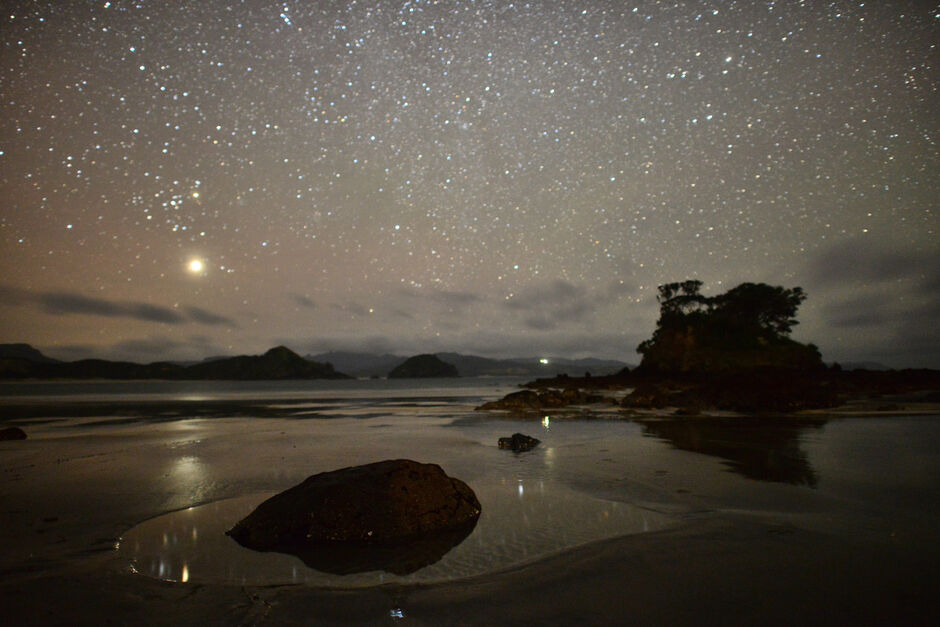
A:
(516, 526)
(550, 457)
(546, 422)
(188, 474)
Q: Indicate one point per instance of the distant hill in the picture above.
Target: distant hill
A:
(359, 364)
(378, 365)
(18, 361)
(277, 363)
(423, 367)
(24, 351)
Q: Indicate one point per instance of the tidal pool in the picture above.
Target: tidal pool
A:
(520, 522)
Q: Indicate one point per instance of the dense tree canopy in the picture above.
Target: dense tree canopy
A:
(750, 308)
(698, 329)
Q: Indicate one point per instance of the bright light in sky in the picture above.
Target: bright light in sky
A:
(196, 266)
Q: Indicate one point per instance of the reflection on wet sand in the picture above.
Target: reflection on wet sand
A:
(521, 521)
(767, 449)
(402, 558)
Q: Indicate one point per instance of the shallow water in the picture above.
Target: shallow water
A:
(517, 525)
(159, 448)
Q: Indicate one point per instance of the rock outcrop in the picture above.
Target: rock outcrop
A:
(549, 399)
(395, 515)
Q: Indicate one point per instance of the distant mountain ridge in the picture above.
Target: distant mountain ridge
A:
(20, 361)
(379, 365)
(278, 363)
(24, 351)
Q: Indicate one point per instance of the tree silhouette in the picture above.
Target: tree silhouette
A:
(698, 329)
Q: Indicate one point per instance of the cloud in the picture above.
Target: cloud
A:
(892, 321)
(855, 261)
(68, 303)
(449, 298)
(200, 315)
(452, 301)
(65, 303)
(351, 308)
(547, 305)
(303, 301)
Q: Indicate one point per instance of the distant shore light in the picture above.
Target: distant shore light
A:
(543, 361)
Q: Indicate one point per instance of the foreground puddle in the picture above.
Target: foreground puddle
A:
(519, 523)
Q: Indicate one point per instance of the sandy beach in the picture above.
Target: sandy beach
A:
(720, 547)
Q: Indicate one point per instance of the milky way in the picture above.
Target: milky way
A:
(490, 177)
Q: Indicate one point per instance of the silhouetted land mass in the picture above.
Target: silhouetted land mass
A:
(733, 351)
(742, 330)
(375, 364)
(277, 363)
(422, 367)
(25, 351)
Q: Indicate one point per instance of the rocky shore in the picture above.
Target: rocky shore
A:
(762, 391)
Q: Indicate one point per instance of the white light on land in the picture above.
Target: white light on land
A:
(543, 361)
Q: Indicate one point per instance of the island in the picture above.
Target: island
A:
(423, 367)
(731, 351)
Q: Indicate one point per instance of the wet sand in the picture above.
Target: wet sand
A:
(738, 551)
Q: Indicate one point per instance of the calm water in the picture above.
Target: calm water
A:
(595, 475)
(71, 391)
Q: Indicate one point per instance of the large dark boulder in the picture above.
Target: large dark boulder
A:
(12, 433)
(395, 515)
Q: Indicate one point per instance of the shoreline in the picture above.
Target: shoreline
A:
(740, 551)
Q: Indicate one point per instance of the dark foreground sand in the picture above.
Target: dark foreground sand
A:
(71, 490)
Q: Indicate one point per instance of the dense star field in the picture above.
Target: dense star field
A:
(187, 179)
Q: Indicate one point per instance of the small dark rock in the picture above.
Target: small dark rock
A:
(518, 442)
(12, 433)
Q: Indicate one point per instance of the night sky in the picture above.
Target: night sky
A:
(184, 179)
